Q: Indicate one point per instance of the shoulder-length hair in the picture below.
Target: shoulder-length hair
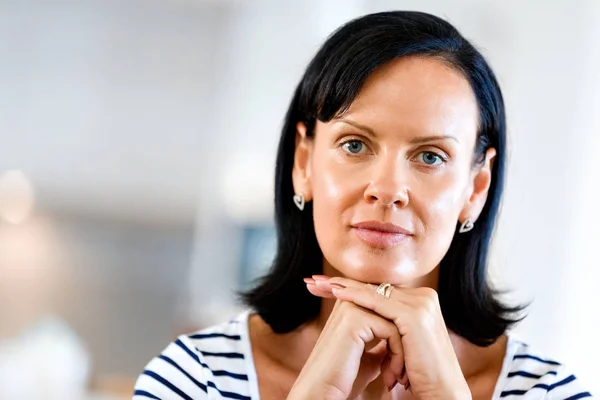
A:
(331, 82)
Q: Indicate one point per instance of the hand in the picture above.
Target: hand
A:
(354, 348)
(429, 359)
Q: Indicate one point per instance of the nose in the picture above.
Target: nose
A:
(389, 183)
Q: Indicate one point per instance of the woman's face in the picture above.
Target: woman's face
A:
(390, 179)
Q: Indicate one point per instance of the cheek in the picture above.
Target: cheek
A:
(334, 193)
(443, 207)
(329, 190)
(438, 208)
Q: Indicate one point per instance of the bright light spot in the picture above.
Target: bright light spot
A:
(16, 197)
(247, 189)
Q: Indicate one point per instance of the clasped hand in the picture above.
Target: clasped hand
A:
(403, 338)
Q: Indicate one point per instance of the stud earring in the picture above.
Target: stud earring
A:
(299, 201)
(466, 226)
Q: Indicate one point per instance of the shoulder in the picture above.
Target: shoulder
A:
(210, 363)
(528, 374)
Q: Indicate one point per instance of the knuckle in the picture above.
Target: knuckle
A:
(347, 308)
(342, 306)
(373, 300)
(429, 293)
(429, 300)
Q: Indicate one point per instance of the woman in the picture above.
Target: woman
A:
(388, 181)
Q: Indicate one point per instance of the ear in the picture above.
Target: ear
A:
(480, 184)
(301, 171)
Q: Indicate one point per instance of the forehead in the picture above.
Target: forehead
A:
(417, 95)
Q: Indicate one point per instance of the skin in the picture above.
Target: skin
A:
(403, 153)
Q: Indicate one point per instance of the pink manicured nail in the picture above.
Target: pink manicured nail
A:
(392, 387)
(309, 281)
(337, 285)
(320, 277)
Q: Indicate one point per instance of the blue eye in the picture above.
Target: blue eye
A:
(430, 158)
(353, 146)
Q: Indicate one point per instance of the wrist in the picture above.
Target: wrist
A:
(298, 394)
(459, 392)
(316, 392)
(454, 390)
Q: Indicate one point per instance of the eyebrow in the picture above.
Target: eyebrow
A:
(417, 140)
(358, 126)
(425, 139)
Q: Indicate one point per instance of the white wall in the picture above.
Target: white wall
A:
(580, 316)
(107, 102)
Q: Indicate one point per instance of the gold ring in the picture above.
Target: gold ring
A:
(385, 290)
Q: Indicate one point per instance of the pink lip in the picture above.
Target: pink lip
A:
(380, 235)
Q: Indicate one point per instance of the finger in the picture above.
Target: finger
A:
(383, 329)
(404, 380)
(410, 296)
(397, 361)
(346, 282)
(354, 283)
(377, 327)
(314, 290)
(325, 286)
(397, 364)
(389, 308)
(388, 376)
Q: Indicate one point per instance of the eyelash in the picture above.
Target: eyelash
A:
(344, 143)
(443, 158)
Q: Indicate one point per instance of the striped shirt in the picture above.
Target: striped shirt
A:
(216, 363)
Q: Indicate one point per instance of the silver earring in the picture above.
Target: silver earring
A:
(466, 226)
(299, 201)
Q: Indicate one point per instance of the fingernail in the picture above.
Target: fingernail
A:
(337, 285)
(320, 277)
(309, 280)
(392, 387)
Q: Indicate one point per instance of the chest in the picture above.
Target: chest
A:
(274, 382)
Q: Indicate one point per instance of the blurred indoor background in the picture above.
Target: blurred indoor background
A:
(137, 144)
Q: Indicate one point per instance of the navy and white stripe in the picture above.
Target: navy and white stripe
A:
(216, 363)
(527, 375)
(211, 364)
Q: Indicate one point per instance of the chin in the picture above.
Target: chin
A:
(397, 273)
(378, 278)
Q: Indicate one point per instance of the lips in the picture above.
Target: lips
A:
(381, 235)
